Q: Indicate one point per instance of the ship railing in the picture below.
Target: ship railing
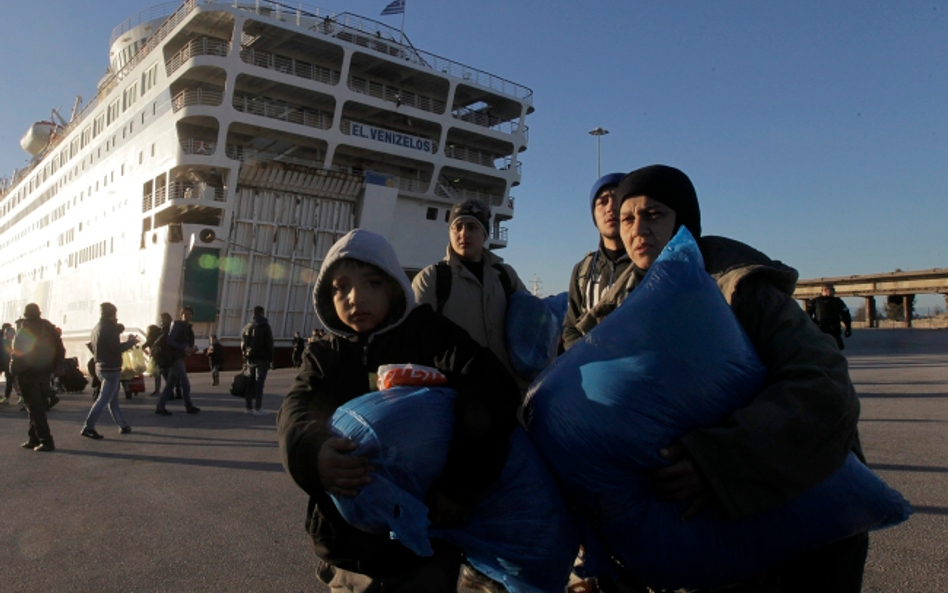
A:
(271, 61)
(181, 10)
(198, 146)
(189, 97)
(188, 191)
(485, 120)
(245, 153)
(281, 110)
(382, 38)
(479, 157)
(203, 46)
(499, 234)
(395, 95)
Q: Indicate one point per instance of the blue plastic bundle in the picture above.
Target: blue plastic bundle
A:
(405, 432)
(670, 359)
(533, 327)
(520, 534)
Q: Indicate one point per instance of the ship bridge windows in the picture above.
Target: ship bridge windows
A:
(266, 98)
(271, 46)
(248, 143)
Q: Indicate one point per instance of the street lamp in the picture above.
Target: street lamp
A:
(598, 133)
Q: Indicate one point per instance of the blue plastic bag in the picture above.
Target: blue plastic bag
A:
(521, 533)
(533, 327)
(405, 432)
(670, 359)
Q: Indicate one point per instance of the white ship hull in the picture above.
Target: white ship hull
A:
(230, 147)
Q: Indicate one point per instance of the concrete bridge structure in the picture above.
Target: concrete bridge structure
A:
(898, 283)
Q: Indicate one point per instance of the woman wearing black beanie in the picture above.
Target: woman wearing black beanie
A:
(788, 438)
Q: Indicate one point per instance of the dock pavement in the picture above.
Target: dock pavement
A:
(201, 502)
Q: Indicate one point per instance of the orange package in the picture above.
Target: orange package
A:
(392, 375)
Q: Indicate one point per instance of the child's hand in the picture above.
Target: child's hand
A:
(340, 473)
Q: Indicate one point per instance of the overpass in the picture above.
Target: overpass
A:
(869, 286)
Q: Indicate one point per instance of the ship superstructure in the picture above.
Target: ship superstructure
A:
(230, 145)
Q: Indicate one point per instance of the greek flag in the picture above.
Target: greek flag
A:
(394, 7)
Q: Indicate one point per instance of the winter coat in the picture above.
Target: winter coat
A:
(107, 346)
(802, 425)
(587, 284)
(479, 308)
(215, 353)
(258, 340)
(180, 338)
(342, 366)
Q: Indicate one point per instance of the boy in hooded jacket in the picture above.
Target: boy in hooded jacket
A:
(365, 301)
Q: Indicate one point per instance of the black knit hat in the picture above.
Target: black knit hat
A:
(475, 209)
(107, 309)
(669, 186)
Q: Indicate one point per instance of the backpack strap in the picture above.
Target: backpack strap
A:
(442, 284)
(504, 278)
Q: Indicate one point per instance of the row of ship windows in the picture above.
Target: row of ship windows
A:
(74, 260)
(111, 115)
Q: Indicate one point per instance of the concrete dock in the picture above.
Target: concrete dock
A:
(201, 502)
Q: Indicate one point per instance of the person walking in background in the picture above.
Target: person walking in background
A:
(37, 349)
(257, 348)
(107, 348)
(6, 346)
(180, 343)
(152, 334)
(215, 356)
(829, 311)
(599, 269)
(299, 344)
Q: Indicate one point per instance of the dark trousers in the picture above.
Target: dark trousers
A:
(35, 396)
(836, 568)
(836, 332)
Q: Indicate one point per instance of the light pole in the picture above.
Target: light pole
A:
(598, 133)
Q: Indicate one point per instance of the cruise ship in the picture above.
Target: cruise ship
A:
(228, 147)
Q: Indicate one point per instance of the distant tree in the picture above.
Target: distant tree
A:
(860, 314)
(895, 307)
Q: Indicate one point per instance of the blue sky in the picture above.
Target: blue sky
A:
(815, 131)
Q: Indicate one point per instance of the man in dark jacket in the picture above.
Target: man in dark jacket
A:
(366, 302)
(257, 348)
(599, 269)
(37, 349)
(180, 341)
(828, 310)
(107, 348)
